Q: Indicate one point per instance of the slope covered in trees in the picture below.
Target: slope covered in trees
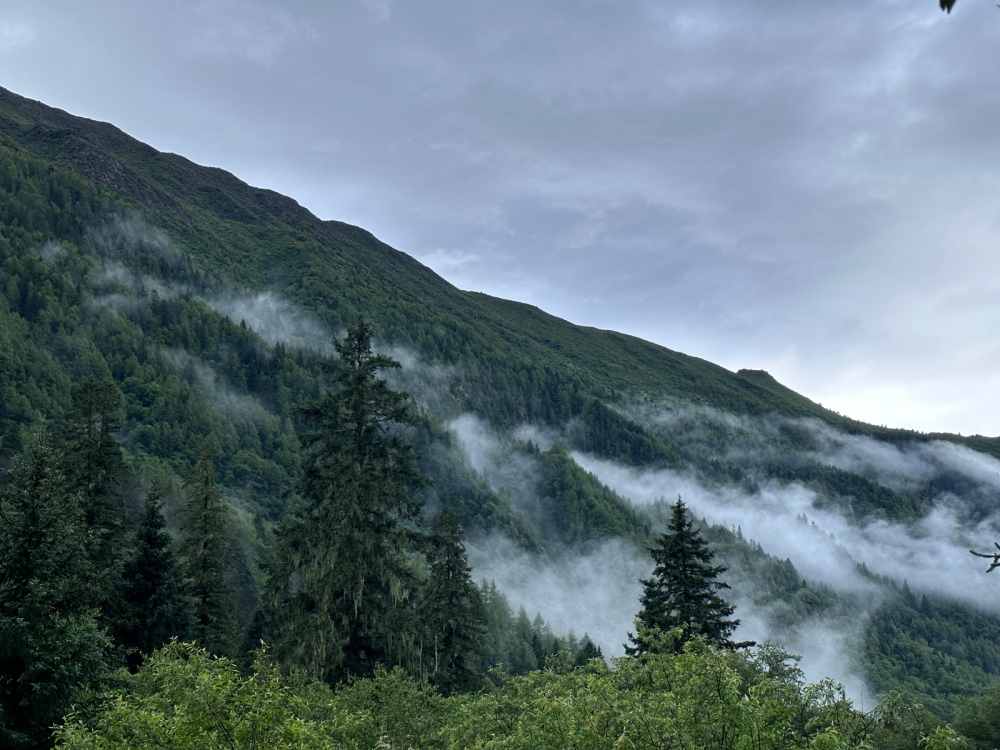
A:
(166, 325)
(531, 366)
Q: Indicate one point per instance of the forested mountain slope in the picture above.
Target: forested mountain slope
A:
(257, 239)
(210, 304)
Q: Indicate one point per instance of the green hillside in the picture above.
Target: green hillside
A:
(257, 239)
(119, 264)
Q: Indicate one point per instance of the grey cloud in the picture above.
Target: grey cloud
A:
(800, 187)
(931, 554)
(134, 233)
(255, 31)
(829, 648)
(428, 385)
(15, 35)
(496, 457)
(51, 251)
(907, 465)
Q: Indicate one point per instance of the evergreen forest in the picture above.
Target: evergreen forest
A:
(268, 482)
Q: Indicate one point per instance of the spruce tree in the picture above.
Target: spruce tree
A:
(153, 606)
(683, 590)
(95, 469)
(339, 592)
(453, 612)
(94, 463)
(51, 646)
(204, 546)
(587, 650)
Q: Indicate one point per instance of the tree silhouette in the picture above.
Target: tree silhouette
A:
(682, 593)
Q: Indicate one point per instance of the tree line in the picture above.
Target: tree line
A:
(357, 577)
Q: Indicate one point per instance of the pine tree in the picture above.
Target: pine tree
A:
(51, 646)
(95, 468)
(204, 547)
(339, 592)
(683, 590)
(153, 606)
(454, 612)
(587, 650)
(94, 463)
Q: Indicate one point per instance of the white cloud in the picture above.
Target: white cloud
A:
(931, 554)
(275, 319)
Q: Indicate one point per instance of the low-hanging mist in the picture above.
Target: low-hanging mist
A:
(596, 592)
(597, 589)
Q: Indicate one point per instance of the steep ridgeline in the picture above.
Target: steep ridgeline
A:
(209, 304)
(529, 365)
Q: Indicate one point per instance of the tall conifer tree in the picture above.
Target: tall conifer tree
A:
(454, 612)
(339, 592)
(153, 606)
(51, 647)
(204, 547)
(95, 469)
(94, 463)
(683, 590)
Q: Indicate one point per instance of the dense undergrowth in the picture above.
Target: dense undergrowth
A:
(700, 698)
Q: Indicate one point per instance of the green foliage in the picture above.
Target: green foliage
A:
(699, 697)
(859, 496)
(183, 697)
(979, 719)
(931, 650)
(682, 593)
(584, 509)
(775, 587)
(51, 648)
(205, 537)
(459, 488)
(610, 435)
(90, 291)
(452, 612)
(94, 464)
(518, 363)
(392, 710)
(694, 698)
(513, 643)
(153, 605)
(339, 590)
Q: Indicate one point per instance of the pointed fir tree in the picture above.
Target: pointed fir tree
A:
(682, 594)
(587, 650)
(338, 594)
(153, 606)
(94, 463)
(52, 649)
(204, 547)
(453, 612)
(95, 468)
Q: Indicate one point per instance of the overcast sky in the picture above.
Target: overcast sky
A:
(807, 187)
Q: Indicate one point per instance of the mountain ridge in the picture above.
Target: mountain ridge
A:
(158, 183)
(135, 171)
